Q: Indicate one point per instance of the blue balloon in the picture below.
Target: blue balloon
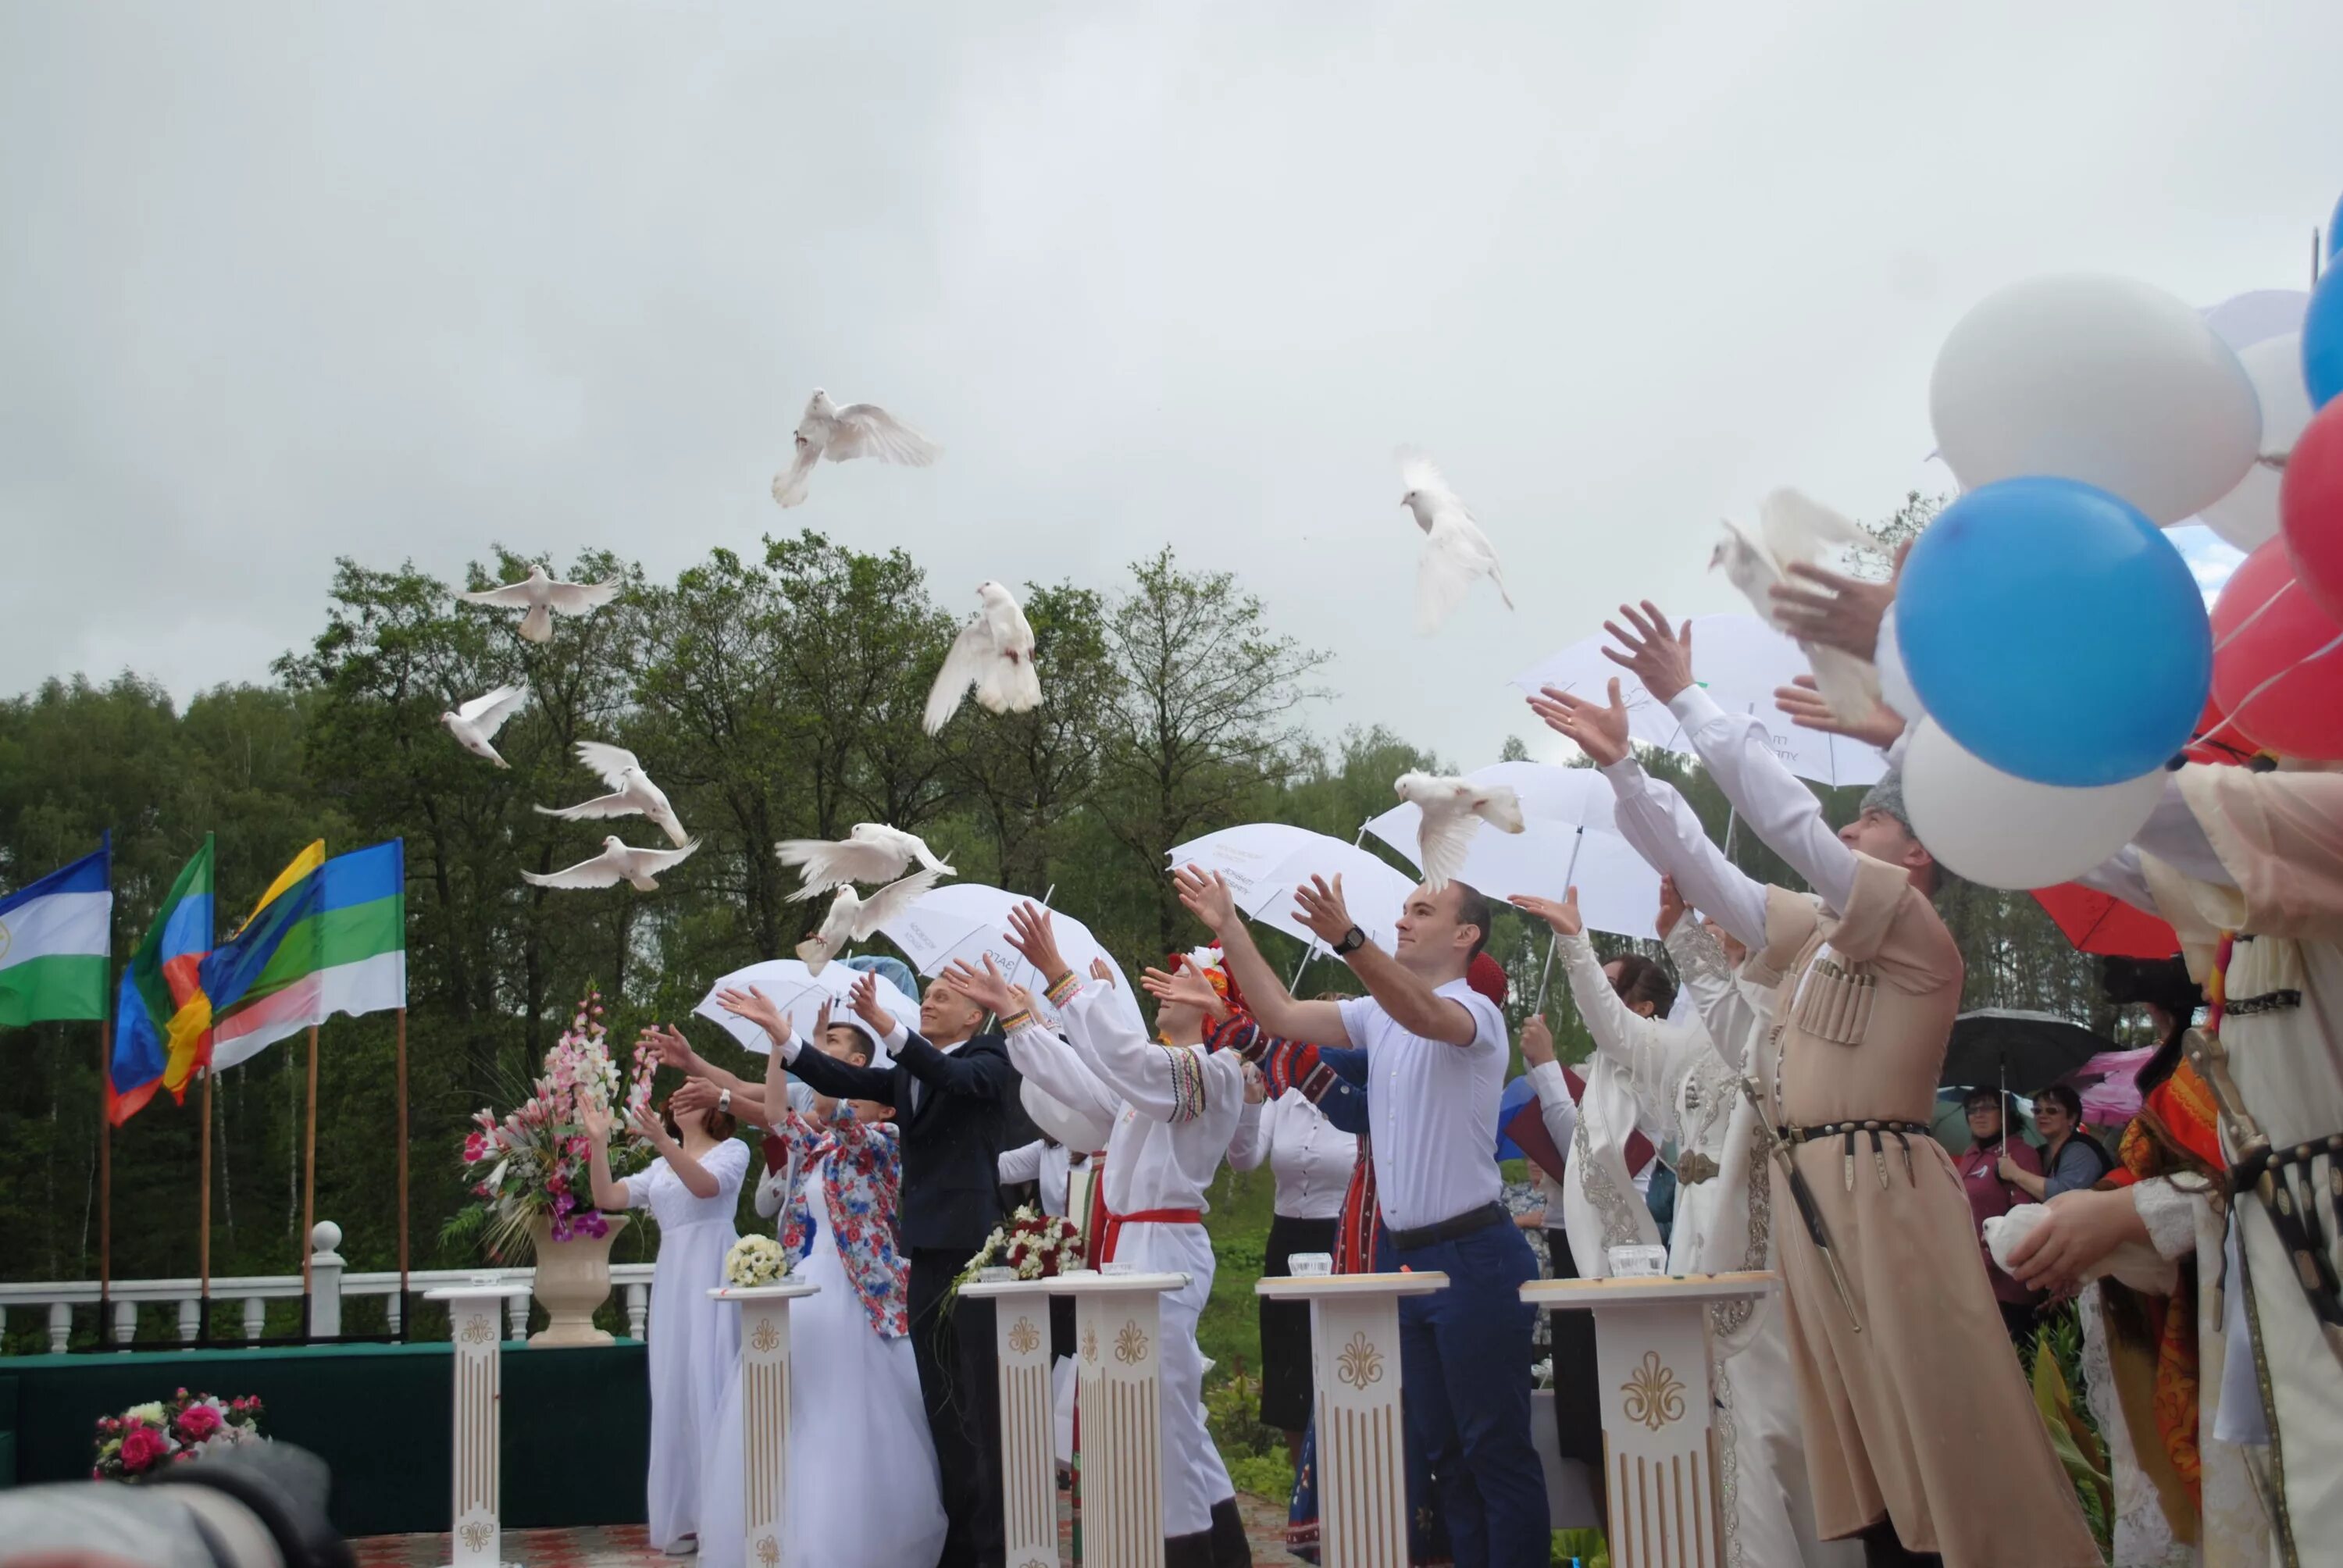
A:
(2055, 632)
(2322, 340)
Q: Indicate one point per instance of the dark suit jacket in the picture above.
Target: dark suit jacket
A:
(952, 1138)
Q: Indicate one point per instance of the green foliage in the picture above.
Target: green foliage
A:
(2074, 1435)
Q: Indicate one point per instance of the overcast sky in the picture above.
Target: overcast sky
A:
(287, 282)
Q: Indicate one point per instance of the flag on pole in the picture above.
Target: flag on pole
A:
(156, 1004)
(261, 984)
(348, 955)
(53, 943)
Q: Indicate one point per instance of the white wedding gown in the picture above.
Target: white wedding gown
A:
(695, 1344)
(864, 1490)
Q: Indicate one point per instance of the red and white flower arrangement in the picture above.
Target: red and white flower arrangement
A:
(1038, 1246)
(533, 1162)
(176, 1431)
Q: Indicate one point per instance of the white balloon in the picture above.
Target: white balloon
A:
(1895, 685)
(2248, 515)
(2101, 379)
(2009, 832)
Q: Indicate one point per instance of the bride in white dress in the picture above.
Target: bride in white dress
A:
(832, 1176)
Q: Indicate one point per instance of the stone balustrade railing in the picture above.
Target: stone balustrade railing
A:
(331, 1284)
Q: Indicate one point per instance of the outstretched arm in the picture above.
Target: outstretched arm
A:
(1207, 898)
(1410, 1000)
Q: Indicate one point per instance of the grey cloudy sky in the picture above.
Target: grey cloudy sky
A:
(285, 282)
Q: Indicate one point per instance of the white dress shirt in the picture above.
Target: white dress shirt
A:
(1051, 1166)
(1311, 1158)
(1432, 1109)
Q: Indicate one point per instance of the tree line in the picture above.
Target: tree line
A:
(771, 697)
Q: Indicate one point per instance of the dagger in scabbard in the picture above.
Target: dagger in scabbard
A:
(1802, 1196)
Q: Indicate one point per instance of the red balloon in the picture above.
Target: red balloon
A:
(2277, 660)
(2310, 509)
(2217, 741)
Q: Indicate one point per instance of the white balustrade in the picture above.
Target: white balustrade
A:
(190, 1321)
(60, 1328)
(255, 1317)
(639, 1309)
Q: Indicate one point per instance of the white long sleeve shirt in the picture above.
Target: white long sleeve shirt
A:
(1049, 1166)
(1311, 1157)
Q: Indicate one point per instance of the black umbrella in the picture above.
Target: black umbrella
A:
(2010, 1048)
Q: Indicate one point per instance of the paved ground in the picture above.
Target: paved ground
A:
(626, 1546)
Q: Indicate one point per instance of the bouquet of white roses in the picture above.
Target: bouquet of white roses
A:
(755, 1260)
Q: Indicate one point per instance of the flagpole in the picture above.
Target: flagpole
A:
(104, 1176)
(309, 1165)
(204, 1227)
(402, 1169)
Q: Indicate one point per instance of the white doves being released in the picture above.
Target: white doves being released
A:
(1453, 810)
(857, 430)
(476, 723)
(870, 852)
(616, 863)
(1793, 526)
(541, 595)
(1455, 551)
(994, 653)
(853, 918)
(632, 792)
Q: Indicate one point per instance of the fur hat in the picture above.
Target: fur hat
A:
(1887, 796)
(1487, 976)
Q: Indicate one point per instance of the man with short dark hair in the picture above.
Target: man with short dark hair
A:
(1902, 1359)
(1437, 1049)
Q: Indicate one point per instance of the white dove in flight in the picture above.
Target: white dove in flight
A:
(857, 430)
(1794, 526)
(1453, 810)
(475, 723)
(994, 653)
(632, 792)
(616, 863)
(541, 595)
(853, 918)
(1455, 551)
(870, 852)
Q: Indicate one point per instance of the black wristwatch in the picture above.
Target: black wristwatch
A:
(1353, 940)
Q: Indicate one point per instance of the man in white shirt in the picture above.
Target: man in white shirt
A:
(1436, 1052)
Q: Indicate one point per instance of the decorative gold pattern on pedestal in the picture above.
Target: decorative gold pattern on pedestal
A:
(1360, 1363)
(478, 1330)
(768, 1551)
(476, 1536)
(1130, 1344)
(1089, 1345)
(767, 1339)
(1023, 1337)
(1654, 1394)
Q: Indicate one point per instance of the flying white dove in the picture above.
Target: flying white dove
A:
(476, 723)
(857, 430)
(994, 653)
(853, 918)
(1453, 810)
(870, 852)
(541, 595)
(1455, 551)
(1794, 526)
(632, 792)
(616, 863)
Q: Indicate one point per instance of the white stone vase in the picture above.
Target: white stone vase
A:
(573, 1278)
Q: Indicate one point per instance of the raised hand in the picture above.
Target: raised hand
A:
(756, 1007)
(594, 1121)
(694, 1094)
(1672, 905)
(821, 1019)
(1563, 917)
(1101, 970)
(1030, 933)
(1597, 728)
(1319, 904)
(986, 987)
(645, 1123)
(673, 1049)
(1207, 898)
(1183, 987)
(867, 1008)
(1256, 1086)
(1537, 1041)
(1659, 654)
(1837, 612)
(1805, 705)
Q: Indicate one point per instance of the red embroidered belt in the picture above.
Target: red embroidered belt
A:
(1115, 1223)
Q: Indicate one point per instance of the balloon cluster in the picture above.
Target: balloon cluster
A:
(2048, 646)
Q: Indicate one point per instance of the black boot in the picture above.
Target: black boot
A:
(1230, 1547)
(1882, 1548)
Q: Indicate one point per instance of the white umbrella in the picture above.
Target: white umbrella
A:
(1569, 837)
(1263, 862)
(969, 922)
(1740, 660)
(786, 984)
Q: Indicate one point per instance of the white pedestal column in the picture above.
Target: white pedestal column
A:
(1119, 1395)
(1029, 1482)
(764, 1415)
(1655, 1372)
(1361, 1432)
(476, 1325)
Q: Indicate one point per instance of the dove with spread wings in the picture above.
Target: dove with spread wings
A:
(1456, 553)
(993, 653)
(1453, 810)
(616, 863)
(632, 793)
(1794, 526)
(475, 724)
(870, 852)
(857, 430)
(853, 918)
(542, 595)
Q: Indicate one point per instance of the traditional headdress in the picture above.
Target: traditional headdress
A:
(1487, 976)
(1212, 965)
(1887, 796)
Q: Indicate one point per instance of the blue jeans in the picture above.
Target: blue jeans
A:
(1464, 1360)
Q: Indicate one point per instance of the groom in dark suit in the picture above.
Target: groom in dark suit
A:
(951, 1089)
